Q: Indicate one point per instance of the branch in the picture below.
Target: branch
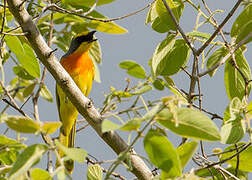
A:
(83, 104)
(219, 27)
(223, 60)
(56, 8)
(178, 27)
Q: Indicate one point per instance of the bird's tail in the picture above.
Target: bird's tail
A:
(68, 141)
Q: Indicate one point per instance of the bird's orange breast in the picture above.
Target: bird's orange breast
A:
(81, 68)
(76, 64)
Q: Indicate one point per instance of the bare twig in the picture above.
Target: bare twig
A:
(231, 157)
(179, 28)
(223, 60)
(237, 162)
(55, 7)
(91, 9)
(116, 175)
(199, 51)
(12, 102)
(81, 128)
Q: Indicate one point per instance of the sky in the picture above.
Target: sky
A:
(138, 45)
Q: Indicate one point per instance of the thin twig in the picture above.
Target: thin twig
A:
(81, 128)
(231, 157)
(224, 59)
(116, 175)
(14, 34)
(54, 7)
(4, 15)
(199, 51)
(178, 27)
(12, 102)
(91, 9)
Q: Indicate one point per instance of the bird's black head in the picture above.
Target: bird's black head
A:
(83, 40)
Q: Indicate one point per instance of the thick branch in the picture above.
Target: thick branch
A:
(82, 103)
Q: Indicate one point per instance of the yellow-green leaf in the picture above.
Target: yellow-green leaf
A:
(22, 124)
(28, 158)
(241, 20)
(94, 172)
(76, 154)
(133, 69)
(234, 82)
(46, 94)
(162, 153)
(50, 127)
(40, 174)
(189, 123)
(108, 125)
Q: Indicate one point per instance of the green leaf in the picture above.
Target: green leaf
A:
(106, 27)
(22, 73)
(162, 153)
(133, 69)
(142, 90)
(76, 154)
(244, 32)
(189, 123)
(156, 23)
(122, 94)
(22, 124)
(131, 125)
(241, 20)
(96, 56)
(213, 172)
(233, 131)
(234, 82)
(150, 114)
(95, 52)
(159, 84)
(28, 158)
(215, 58)
(177, 7)
(177, 58)
(150, 16)
(8, 156)
(25, 56)
(94, 172)
(14, 44)
(186, 151)
(79, 3)
(97, 76)
(28, 90)
(40, 174)
(51, 127)
(108, 125)
(199, 34)
(162, 51)
(29, 61)
(4, 169)
(61, 175)
(244, 158)
(46, 94)
(10, 143)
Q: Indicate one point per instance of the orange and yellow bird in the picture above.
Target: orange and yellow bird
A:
(80, 67)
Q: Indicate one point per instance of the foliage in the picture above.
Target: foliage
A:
(181, 112)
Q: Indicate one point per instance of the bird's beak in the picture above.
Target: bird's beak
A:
(91, 36)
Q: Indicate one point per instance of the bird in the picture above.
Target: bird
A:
(79, 65)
